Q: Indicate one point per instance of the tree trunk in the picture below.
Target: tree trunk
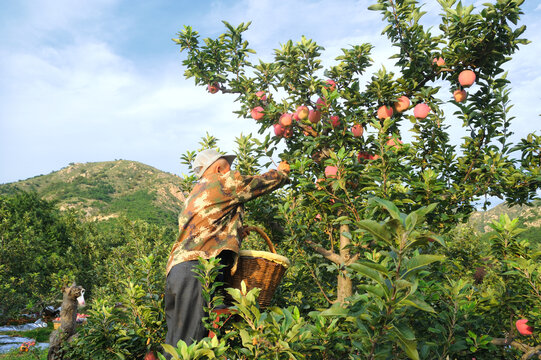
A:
(345, 287)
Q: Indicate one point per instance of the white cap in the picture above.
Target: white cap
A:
(206, 158)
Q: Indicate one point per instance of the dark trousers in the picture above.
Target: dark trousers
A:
(184, 305)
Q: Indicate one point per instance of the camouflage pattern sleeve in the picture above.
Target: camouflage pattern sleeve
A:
(244, 188)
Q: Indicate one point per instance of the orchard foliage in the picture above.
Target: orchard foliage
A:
(428, 169)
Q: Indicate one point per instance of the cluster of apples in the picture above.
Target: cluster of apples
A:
(466, 78)
(420, 111)
(258, 112)
(284, 126)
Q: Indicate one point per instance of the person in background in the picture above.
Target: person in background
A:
(210, 226)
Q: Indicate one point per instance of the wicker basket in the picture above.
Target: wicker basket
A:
(259, 269)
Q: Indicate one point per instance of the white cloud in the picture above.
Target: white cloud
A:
(70, 94)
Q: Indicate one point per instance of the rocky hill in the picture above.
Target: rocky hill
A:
(529, 218)
(105, 190)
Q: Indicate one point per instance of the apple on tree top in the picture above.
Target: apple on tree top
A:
(460, 95)
(331, 171)
(314, 116)
(420, 111)
(385, 112)
(286, 120)
(279, 130)
(466, 78)
(321, 103)
(330, 85)
(392, 143)
(439, 61)
(335, 121)
(257, 113)
(302, 112)
(402, 104)
(261, 95)
(213, 88)
(357, 130)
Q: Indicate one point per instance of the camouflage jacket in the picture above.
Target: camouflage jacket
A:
(212, 216)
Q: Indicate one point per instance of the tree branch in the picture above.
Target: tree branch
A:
(529, 351)
(327, 254)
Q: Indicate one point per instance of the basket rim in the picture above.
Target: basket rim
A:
(282, 260)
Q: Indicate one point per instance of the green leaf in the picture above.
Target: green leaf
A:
(419, 304)
(370, 273)
(376, 7)
(389, 206)
(376, 229)
(406, 340)
(374, 289)
(411, 221)
(335, 310)
(170, 350)
(382, 269)
(417, 262)
(421, 213)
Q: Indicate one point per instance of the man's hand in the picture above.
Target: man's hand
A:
(284, 167)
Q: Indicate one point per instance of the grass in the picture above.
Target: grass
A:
(41, 335)
(17, 355)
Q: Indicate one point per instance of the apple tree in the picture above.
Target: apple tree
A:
(376, 174)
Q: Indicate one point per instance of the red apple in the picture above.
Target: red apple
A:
(321, 104)
(257, 113)
(460, 95)
(357, 130)
(385, 112)
(330, 85)
(278, 130)
(522, 328)
(335, 121)
(261, 95)
(288, 132)
(363, 155)
(314, 116)
(466, 78)
(286, 120)
(150, 356)
(302, 112)
(402, 104)
(420, 111)
(331, 171)
(318, 217)
(439, 61)
(373, 157)
(391, 142)
(213, 88)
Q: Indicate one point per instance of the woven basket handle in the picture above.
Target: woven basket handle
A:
(247, 229)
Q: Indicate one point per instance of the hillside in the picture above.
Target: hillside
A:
(529, 217)
(105, 190)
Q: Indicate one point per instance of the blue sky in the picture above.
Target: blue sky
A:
(99, 80)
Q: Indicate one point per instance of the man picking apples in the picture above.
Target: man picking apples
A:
(210, 226)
